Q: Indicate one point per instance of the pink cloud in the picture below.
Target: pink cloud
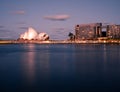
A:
(19, 12)
(61, 17)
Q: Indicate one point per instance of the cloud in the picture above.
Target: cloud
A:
(61, 17)
(59, 29)
(4, 30)
(23, 28)
(19, 12)
(1, 26)
(62, 29)
(59, 33)
(21, 23)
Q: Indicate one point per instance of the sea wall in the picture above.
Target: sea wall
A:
(60, 42)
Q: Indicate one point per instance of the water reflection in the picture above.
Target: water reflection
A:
(104, 53)
(61, 67)
(96, 59)
(28, 59)
(43, 65)
(86, 58)
(35, 61)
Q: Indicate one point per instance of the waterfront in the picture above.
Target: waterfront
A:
(98, 41)
(59, 67)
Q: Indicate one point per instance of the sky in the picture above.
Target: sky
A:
(55, 17)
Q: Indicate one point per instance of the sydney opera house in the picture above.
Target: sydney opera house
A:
(32, 34)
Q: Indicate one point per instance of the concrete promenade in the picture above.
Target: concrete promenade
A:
(60, 42)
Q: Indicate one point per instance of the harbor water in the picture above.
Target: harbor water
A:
(59, 68)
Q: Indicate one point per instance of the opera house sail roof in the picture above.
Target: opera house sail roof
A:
(32, 34)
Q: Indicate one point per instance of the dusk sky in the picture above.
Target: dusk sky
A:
(55, 17)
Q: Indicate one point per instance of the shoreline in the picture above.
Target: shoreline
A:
(60, 42)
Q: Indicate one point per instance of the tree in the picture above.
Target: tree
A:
(71, 36)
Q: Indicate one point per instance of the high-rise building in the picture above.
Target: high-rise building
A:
(96, 30)
(113, 31)
(88, 31)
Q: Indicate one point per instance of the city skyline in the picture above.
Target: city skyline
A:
(56, 17)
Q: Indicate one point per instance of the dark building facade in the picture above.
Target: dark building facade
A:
(95, 30)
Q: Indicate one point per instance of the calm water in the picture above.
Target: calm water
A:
(60, 68)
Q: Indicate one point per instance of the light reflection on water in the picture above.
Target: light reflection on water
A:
(35, 62)
(28, 63)
(60, 67)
